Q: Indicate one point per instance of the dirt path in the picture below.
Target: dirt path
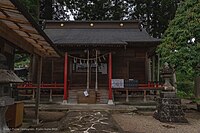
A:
(74, 122)
(145, 123)
(105, 122)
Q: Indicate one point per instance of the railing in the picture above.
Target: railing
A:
(58, 86)
(43, 86)
(150, 86)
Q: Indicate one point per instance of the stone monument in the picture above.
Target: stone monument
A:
(7, 77)
(169, 107)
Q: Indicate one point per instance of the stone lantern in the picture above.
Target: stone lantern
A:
(166, 74)
(169, 107)
(7, 77)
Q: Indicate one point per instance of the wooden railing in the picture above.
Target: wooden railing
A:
(140, 88)
(52, 87)
(30, 86)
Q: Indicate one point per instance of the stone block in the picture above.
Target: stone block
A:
(169, 101)
(170, 110)
(167, 94)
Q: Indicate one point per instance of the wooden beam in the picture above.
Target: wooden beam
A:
(25, 30)
(3, 5)
(33, 38)
(19, 41)
(10, 10)
(12, 19)
(4, 13)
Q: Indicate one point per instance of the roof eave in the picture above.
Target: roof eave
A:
(23, 10)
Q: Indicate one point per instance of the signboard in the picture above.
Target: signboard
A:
(117, 83)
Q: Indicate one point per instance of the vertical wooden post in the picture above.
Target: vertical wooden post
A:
(158, 74)
(149, 69)
(145, 95)
(34, 67)
(153, 68)
(127, 99)
(50, 95)
(88, 70)
(110, 101)
(96, 81)
(39, 75)
(33, 94)
(65, 78)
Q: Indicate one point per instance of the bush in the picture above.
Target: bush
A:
(185, 89)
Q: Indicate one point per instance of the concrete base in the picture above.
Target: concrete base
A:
(110, 102)
(65, 102)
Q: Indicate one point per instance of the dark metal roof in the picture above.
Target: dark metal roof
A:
(99, 36)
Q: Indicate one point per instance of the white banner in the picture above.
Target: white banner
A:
(117, 83)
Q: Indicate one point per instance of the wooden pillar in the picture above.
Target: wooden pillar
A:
(158, 72)
(88, 70)
(149, 69)
(153, 68)
(127, 99)
(110, 98)
(39, 75)
(65, 78)
(96, 79)
(34, 67)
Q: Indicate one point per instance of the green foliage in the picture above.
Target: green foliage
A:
(21, 60)
(32, 7)
(181, 43)
(97, 9)
(155, 14)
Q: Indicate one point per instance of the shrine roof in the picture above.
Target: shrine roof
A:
(98, 33)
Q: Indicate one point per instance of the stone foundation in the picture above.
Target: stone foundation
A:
(170, 110)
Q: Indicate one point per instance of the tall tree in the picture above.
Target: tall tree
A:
(32, 7)
(96, 9)
(155, 14)
(181, 43)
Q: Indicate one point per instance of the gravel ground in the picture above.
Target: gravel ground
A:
(101, 121)
(145, 123)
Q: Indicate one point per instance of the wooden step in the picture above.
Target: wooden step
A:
(101, 96)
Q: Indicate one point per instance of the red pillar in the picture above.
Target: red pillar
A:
(65, 77)
(110, 77)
